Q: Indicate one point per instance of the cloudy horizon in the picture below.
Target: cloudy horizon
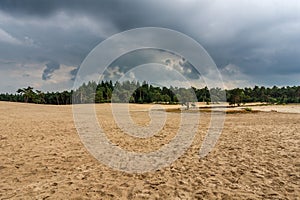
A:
(42, 43)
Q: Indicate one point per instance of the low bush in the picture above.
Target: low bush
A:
(248, 109)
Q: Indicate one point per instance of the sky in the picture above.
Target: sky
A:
(43, 43)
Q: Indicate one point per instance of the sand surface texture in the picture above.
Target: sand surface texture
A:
(41, 157)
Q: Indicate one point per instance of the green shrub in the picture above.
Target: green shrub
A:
(248, 109)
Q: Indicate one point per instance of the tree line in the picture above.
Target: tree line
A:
(136, 92)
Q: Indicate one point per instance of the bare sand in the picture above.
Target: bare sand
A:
(41, 157)
(289, 108)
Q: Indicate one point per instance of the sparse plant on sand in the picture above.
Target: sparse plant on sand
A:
(248, 109)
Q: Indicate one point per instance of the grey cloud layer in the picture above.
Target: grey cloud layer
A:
(260, 38)
(50, 68)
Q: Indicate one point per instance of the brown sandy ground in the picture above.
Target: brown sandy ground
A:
(41, 157)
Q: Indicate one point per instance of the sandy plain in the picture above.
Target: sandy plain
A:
(41, 157)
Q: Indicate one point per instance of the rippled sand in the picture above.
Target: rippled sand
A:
(42, 157)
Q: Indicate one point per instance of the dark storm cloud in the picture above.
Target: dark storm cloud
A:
(120, 12)
(73, 73)
(123, 14)
(29, 7)
(50, 68)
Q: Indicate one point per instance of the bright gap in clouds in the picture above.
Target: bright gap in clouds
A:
(161, 67)
(154, 66)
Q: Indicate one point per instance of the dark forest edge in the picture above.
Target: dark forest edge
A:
(135, 92)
